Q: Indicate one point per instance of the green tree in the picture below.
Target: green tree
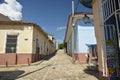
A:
(61, 46)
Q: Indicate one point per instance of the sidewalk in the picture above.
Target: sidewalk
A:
(56, 67)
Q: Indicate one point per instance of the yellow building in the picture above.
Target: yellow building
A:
(23, 43)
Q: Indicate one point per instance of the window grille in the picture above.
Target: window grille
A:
(109, 7)
(11, 43)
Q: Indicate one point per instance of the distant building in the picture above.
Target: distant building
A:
(51, 37)
(23, 43)
(83, 34)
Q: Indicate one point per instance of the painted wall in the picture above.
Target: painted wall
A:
(69, 45)
(26, 53)
(45, 46)
(37, 35)
(24, 36)
(84, 34)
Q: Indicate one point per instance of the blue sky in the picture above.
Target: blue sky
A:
(51, 15)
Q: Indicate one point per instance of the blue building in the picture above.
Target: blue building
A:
(83, 34)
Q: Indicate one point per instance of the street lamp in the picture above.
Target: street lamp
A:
(86, 19)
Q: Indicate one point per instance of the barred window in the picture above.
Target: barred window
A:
(11, 42)
(109, 7)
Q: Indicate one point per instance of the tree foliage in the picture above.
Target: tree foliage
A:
(62, 45)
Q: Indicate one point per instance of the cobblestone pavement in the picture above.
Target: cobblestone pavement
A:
(58, 67)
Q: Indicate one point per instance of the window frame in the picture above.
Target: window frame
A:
(8, 43)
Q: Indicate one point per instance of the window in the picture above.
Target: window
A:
(117, 4)
(37, 47)
(109, 32)
(109, 7)
(11, 43)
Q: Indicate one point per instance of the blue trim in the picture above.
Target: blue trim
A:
(91, 45)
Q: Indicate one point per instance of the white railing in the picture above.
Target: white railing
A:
(109, 8)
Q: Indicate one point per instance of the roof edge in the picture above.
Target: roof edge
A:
(24, 23)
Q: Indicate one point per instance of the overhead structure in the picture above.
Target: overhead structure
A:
(86, 3)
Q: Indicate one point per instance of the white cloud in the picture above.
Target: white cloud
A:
(12, 9)
(60, 28)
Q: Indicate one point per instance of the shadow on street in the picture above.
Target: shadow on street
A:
(45, 58)
(34, 71)
(49, 56)
(93, 71)
(10, 75)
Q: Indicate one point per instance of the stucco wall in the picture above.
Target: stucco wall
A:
(84, 34)
(69, 45)
(46, 47)
(80, 38)
(24, 41)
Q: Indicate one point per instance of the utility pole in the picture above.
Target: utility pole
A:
(72, 27)
(73, 8)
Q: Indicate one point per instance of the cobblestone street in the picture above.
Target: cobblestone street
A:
(57, 67)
